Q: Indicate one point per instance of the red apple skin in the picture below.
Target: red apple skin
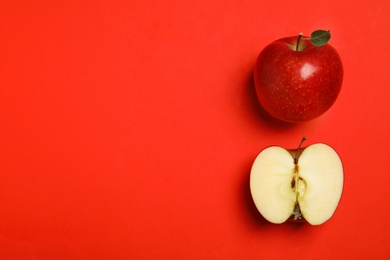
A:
(297, 86)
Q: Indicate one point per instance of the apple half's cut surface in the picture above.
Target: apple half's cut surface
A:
(308, 186)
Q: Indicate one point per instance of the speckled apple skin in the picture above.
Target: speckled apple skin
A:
(297, 86)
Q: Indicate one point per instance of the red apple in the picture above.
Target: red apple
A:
(298, 78)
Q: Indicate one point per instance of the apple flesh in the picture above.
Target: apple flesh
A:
(308, 186)
(297, 82)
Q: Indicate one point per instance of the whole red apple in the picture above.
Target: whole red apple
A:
(298, 78)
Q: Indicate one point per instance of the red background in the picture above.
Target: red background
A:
(128, 129)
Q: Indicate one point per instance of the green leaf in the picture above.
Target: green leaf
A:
(320, 37)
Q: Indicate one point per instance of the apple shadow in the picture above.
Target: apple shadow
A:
(258, 111)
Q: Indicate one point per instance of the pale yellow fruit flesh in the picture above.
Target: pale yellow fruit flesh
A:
(317, 186)
(321, 168)
(270, 184)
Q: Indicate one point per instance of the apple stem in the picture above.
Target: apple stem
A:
(298, 41)
(298, 149)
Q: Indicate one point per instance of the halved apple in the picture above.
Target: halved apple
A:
(306, 183)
